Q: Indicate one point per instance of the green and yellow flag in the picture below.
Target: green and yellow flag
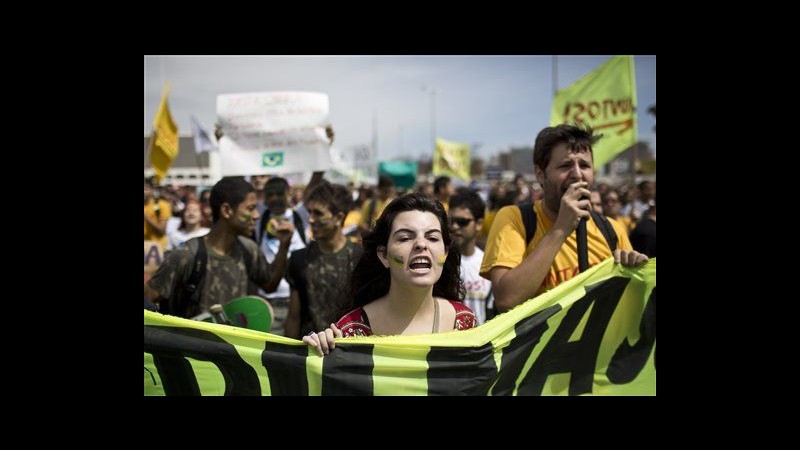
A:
(451, 159)
(592, 335)
(605, 99)
(164, 141)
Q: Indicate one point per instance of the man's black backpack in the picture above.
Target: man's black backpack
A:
(529, 219)
(185, 298)
(298, 225)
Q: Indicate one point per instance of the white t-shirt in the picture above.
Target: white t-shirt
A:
(477, 288)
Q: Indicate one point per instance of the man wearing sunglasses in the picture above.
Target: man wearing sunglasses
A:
(466, 220)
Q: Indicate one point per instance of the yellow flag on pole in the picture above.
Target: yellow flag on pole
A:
(164, 141)
(451, 159)
(605, 99)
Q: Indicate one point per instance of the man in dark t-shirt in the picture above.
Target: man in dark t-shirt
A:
(320, 273)
(232, 258)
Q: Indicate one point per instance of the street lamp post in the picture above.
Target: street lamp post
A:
(432, 91)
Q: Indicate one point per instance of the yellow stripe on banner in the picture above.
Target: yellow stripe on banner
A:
(213, 382)
(400, 371)
(314, 373)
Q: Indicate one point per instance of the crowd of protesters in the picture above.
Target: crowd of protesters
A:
(303, 247)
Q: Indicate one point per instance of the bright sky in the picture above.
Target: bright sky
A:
(494, 102)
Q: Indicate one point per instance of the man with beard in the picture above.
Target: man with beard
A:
(466, 221)
(520, 270)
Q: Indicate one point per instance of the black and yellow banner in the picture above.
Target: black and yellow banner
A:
(593, 335)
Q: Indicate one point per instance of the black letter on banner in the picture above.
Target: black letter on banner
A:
(579, 357)
(528, 333)
(629, 360)
(286, 368)
(171, 345)
(460, 370)
(347, 370)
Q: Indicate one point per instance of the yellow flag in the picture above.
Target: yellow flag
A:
(164, 141)
(451, 159)
(605, 99)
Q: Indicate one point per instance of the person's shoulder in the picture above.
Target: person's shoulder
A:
(300, 255)
(460, 307)
(465, 317)
(182, 255)
(509, 212)
(249, 244)
(617, 225)
(354, 323)
(354, 315)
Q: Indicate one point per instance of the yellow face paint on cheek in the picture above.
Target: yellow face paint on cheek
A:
(442, 259)
(397, 260)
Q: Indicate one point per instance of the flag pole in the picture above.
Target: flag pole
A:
(555, 74)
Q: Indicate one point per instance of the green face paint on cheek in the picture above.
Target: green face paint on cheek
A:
(245, 218)
(397, 261)
(442, 259)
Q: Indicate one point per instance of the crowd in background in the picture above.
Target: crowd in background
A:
(175, 214)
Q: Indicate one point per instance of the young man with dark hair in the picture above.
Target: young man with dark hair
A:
(232, 257)
(320, 273)
(466, 220)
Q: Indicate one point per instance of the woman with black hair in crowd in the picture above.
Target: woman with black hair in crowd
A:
(407, 280)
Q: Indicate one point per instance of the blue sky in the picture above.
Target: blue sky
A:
(494, 102)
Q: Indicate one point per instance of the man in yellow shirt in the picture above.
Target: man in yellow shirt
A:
(562, 158)
(373, 207)
(443, 189)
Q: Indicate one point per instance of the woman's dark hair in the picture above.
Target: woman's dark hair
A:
(371, 279)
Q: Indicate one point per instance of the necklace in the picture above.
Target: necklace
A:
(435, 316)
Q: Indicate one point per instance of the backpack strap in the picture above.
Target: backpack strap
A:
(185, 298)
(298, 225)
(198, 270)
(529, 220)
(607, 229)
(248, 264)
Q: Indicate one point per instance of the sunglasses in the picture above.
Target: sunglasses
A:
(460, 221)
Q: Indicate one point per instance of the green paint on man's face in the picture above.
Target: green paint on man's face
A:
(244, 218)
(397, 260)
(442, 259)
